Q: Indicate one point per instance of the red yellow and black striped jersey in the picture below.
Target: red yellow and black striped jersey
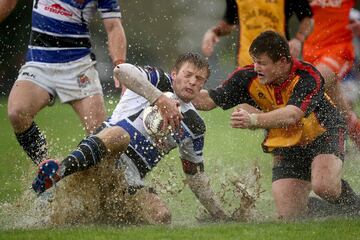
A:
(304, 89)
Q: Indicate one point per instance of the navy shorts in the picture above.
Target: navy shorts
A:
(295, 162)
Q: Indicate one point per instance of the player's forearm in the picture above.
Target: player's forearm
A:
(136, 81)
(278, 118)
(203, 101)
(116, 41)
(250, 109)
(200, 186)
(305, 28)
(6, 7)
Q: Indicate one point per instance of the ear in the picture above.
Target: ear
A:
(173, 74)
(283, 60)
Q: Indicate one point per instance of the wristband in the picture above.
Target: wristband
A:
(253, 119)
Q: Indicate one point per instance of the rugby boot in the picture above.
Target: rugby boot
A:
(321, 208)
(47, 176)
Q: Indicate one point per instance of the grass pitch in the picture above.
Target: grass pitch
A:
(228, 153)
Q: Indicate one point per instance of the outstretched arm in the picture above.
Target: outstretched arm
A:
(6, 7)
(203, 101)
(199, 184)
(278, 118)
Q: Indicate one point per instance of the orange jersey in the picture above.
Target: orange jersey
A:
(330, 43)
(331, 19)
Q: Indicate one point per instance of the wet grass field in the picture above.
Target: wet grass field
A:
(228, 154)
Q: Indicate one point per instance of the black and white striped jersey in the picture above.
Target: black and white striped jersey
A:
(142, 149)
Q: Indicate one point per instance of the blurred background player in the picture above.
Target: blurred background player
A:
(305, 131)
(59, 63)
(254, 17)
(330, 49)
(350, 83)
(125, 127)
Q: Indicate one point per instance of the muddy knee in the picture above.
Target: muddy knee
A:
(115, 138)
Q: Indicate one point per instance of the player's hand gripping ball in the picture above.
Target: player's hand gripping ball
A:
(153, 121)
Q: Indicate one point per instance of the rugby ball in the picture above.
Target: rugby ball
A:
(153, 121)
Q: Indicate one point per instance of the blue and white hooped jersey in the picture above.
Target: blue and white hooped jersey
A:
(128, 114)
(59, 31)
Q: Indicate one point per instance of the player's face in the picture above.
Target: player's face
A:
(188, 81)
(269, 71)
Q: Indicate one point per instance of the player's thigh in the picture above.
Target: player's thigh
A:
(78, 83)
(91, 111)
(25, 100)
(326, 171)
(291, 196)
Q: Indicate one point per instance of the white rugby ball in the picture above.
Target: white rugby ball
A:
(153, 121)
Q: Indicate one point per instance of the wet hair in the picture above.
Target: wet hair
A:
(194, 58)
(271, 43)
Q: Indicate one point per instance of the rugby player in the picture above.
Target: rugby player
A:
(124, 135)
(59, 63)
(332, 53)
(254, 17)
(305, 132)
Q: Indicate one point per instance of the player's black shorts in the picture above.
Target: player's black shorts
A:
(295, 162)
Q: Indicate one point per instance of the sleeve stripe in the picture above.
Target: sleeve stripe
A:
(307, 100)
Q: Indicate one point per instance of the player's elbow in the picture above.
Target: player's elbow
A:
(293, 116)
(123, 71)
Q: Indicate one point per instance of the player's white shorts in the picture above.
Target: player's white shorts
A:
(131, 172)
(70, 81)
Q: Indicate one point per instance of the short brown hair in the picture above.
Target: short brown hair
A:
(272, 44)
(194, 58)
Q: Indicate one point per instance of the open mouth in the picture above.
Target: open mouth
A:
(189, 90)
(260, 74)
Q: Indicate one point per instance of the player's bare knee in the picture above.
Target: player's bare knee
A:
(324, 190)
(115, 138)
(19, 117)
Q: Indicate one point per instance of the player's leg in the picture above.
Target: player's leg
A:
(326, 171)
(199, 184)
(26, 99)
(291, 182)
(142, 203)
(109, 142)
(327, 183)
(326, 176)
(91, 111)
(151, 208)
(291, 197)
(79, 85)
